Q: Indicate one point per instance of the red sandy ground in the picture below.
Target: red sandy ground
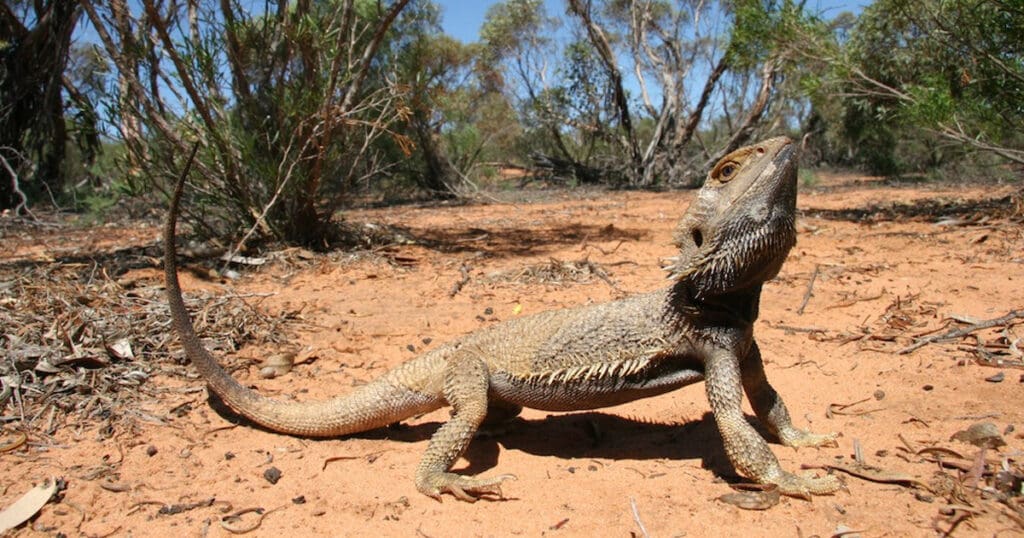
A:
(578, 474)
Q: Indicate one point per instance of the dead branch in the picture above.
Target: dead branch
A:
(598, 38)
(457, 287)
(15, 186)
(810, 290)
(959, 135)
(963, 331)
(760, 106)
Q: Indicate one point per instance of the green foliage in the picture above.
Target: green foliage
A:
(584, 95)
(808, 178)
(513, 26)
(101, 187)
(916, 72)
(761, 29)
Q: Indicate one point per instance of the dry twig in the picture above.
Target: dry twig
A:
(636, 518)
(963, 331)
(810, 290)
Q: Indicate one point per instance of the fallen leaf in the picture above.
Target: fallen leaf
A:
(754, 499)
(28, 505)
(277, 365)
(243, 260)
(996, 378)
(121, 349)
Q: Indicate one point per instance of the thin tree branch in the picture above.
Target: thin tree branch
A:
(23, 200)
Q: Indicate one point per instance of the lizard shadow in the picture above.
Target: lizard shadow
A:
(598, 435)
(569, 436)
(593, 435)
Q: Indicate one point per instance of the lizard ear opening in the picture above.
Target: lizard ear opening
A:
(698, 237)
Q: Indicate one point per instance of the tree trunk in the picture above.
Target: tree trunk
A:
(32, 132)
(131, 131)
(628, 138)
(439, 176)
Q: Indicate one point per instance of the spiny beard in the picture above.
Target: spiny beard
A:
(743, 254)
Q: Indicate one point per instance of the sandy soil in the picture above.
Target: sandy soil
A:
(877, 275)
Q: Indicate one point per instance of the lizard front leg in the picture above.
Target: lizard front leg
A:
(465, 388)
(770, 409)
(747, 451)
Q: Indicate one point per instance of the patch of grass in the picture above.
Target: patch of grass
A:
(808, 178)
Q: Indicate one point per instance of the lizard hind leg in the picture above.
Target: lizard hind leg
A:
(501, 419)
(465, 388)
(500, 412)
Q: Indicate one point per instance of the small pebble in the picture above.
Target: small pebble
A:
(272, 474)
(997, 378)
(982, 434)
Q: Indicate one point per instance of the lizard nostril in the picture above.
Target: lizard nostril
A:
(698, 237)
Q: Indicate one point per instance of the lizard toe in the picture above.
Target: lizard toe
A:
(803, 487)
(463, 488)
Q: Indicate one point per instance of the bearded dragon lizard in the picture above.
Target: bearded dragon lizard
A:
(734, 237)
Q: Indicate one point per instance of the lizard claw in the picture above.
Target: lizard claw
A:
(464, 488)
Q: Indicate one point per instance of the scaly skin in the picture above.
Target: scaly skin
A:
(733, 238)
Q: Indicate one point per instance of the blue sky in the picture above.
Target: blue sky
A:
(462, 18)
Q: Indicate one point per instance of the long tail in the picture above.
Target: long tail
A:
(386, 400)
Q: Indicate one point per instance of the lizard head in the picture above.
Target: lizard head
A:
(737, 232)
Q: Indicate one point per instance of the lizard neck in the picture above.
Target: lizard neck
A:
(738, 308)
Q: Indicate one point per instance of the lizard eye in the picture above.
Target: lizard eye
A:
(725, 171)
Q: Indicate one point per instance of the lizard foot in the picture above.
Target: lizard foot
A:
(803, 487)
(464, 488)
(796, 438)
